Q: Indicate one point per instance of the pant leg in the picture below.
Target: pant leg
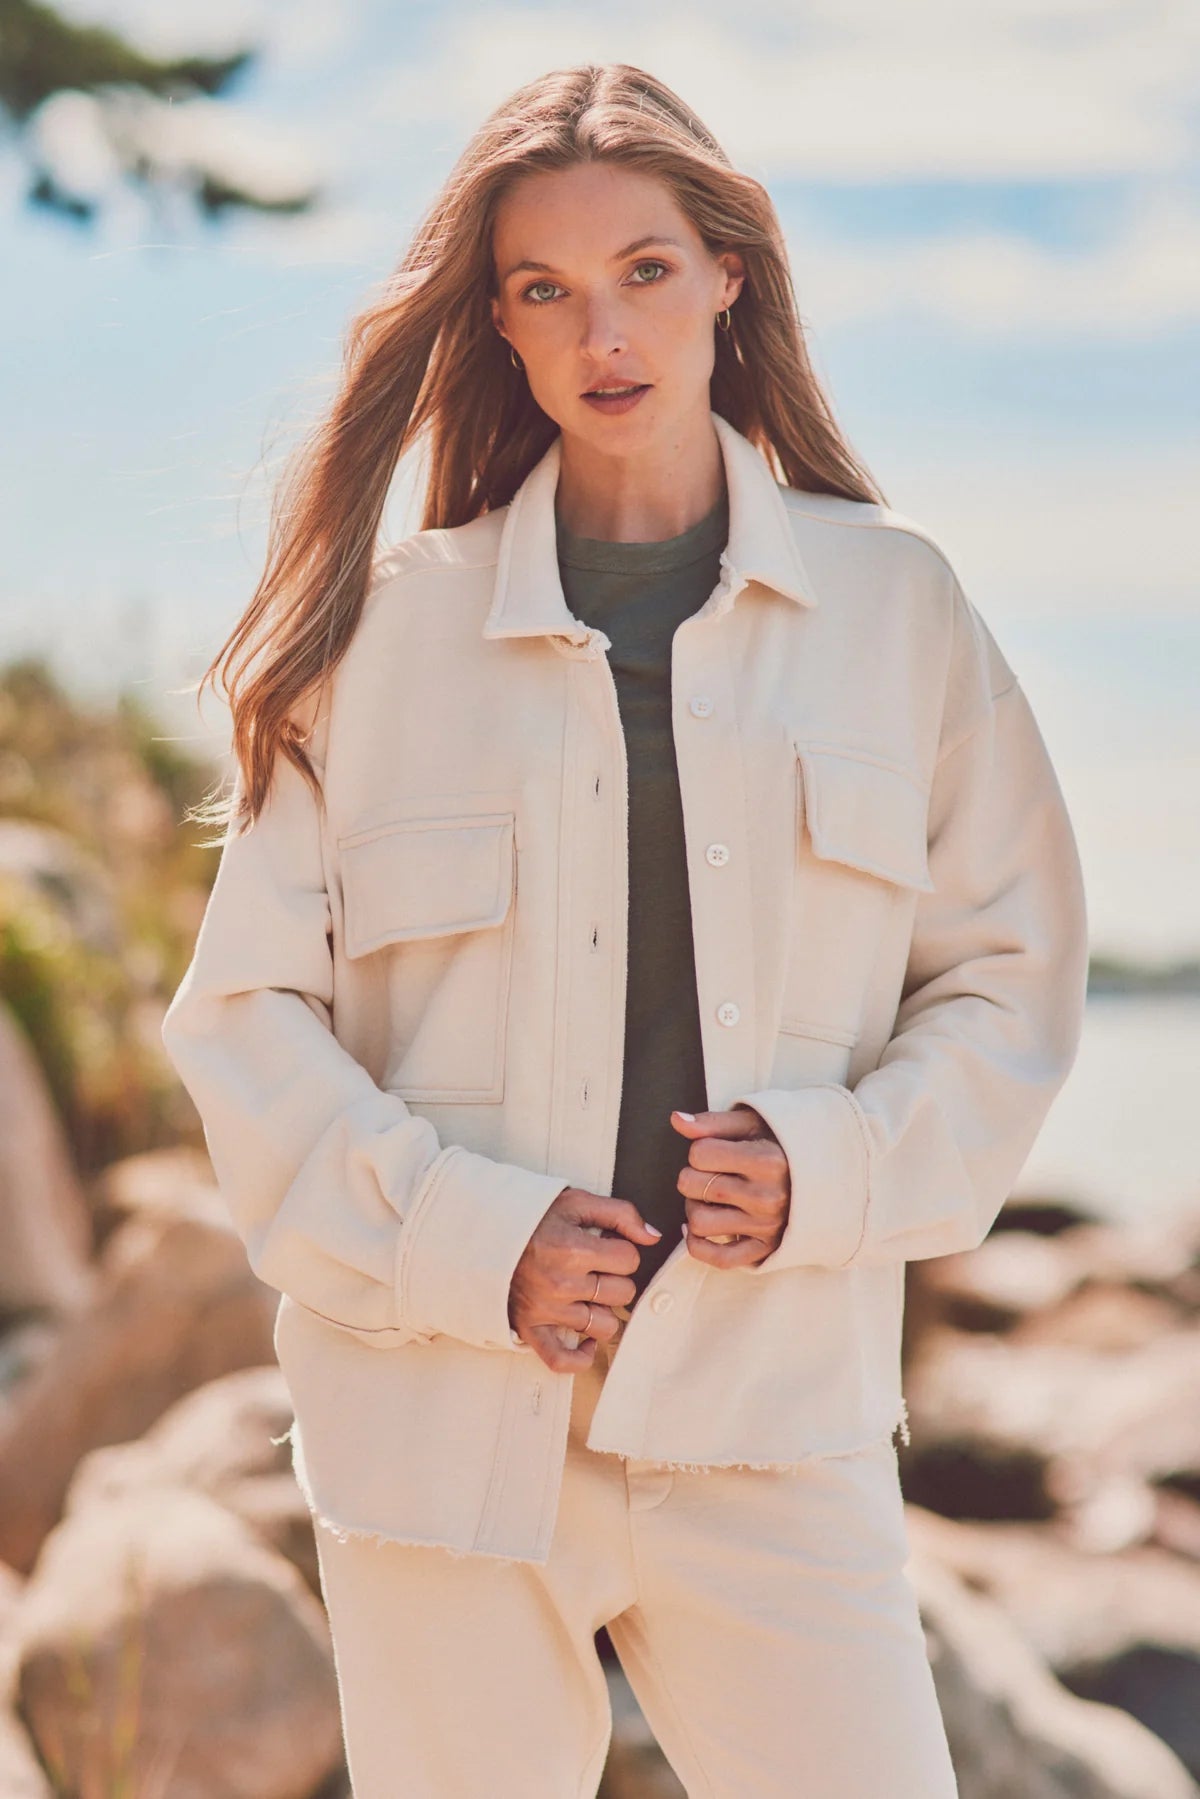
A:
(775, 1644)
(466, 1677)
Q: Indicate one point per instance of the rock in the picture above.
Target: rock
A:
(636, 1767)
(21, 1773)
(1123, 1628)
(174, 1183)
(1021, 1430)
(226, 1439)
(1014, 1731)
(23, 1347)
(1102, 1286)
(11, 1589)
(45, 1227)
(164, 1650)
(1010, 1274)
(1104, 1316)
(177, 1304)
(1047, 1216)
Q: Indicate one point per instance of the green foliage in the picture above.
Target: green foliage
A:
(88, 982)
(42, 53)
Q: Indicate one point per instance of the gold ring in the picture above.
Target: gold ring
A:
(596, 1288)
(708, 1183)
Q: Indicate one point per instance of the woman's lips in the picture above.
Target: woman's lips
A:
(617, 402)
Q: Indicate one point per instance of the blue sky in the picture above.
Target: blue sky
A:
(994, 226)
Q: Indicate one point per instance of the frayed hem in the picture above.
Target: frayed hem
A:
(816, 1455)
(355, 1533)
(796, 1467)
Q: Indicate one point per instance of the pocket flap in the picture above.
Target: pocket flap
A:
(425, 877)
(869, 814)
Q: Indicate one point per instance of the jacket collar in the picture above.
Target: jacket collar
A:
(528, 599)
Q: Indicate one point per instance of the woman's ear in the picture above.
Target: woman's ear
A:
(735, 272)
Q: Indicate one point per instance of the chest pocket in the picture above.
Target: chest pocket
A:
(861, 826)
(431, 899)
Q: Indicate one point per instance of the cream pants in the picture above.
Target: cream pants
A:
(763, 1618)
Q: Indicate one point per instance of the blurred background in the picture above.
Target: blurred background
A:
(994, 224)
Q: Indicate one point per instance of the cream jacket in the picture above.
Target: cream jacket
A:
(402, 1024)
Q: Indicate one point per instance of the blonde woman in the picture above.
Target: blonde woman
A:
(647, 918)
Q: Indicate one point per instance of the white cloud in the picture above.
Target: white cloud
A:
(868, 91)
(1144, 276)
(69, 138)
(231, 145)
(296, 33)
(1061, 531)
(335, 234)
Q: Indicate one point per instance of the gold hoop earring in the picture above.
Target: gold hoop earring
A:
(728, 319)
(513, 358)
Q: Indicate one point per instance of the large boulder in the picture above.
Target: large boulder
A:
(1122, 1628)
(175, 1182)
(1006, 1429)
(1015, 1732)
(164, 1649)
(22, 1775)
(1099, 1286)
(45, 1226)
(227, 1439)
(176, 1305)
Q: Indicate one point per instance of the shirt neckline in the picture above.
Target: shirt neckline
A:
(609, 555)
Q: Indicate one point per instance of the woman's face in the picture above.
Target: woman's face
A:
(603, 281)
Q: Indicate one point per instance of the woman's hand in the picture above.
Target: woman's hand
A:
(742, 1220)
(580, 1235)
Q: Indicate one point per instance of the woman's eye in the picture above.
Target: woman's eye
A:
(530, 291)
(532, 295)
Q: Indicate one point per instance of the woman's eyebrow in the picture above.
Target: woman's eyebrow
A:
(639, 243)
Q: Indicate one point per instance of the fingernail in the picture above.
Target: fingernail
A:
(654, 1230)
(690, 1116)
(683, 1229)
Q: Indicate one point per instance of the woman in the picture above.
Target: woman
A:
(653, 919)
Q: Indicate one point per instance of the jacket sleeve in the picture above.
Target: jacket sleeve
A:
(345, 1199)
(918, 1158)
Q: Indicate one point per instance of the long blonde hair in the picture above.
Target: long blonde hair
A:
(424, 356)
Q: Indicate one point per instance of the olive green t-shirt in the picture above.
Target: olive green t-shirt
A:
(638, 594)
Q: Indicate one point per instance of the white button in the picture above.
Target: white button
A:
(700, 705)
(662, 1302)
(727, 1012)
(717, 854)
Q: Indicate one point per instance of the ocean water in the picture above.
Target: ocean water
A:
(1123, 1136)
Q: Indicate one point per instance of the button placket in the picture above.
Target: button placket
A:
(712, 784)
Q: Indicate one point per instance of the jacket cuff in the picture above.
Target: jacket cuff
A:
(823, 1135)
(461, 1241)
